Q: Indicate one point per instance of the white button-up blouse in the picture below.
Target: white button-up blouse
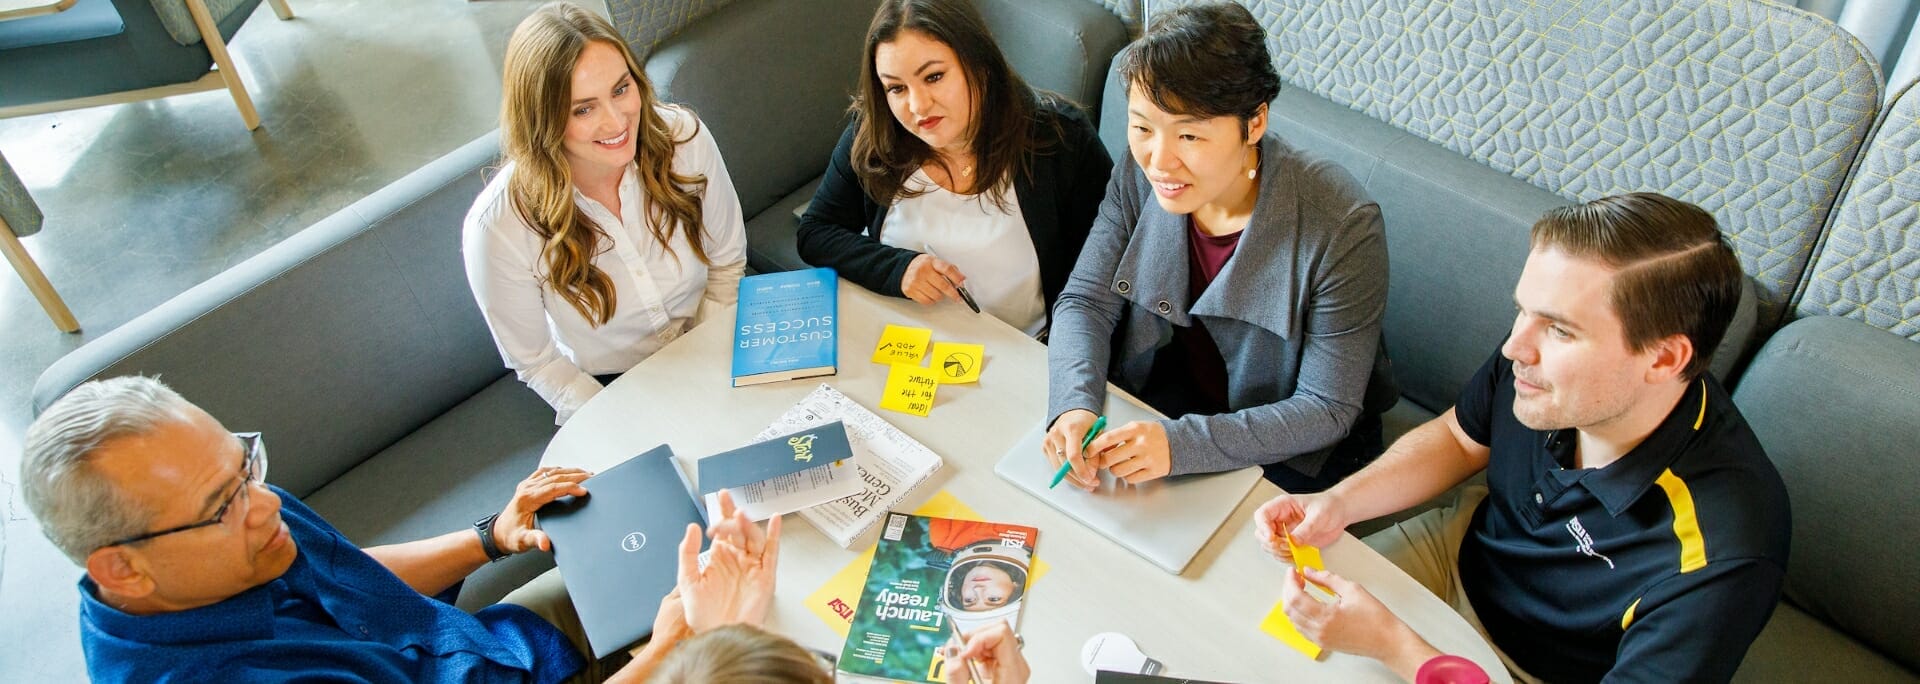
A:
(659, 289)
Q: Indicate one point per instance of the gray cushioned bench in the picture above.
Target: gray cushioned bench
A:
(1836, 402)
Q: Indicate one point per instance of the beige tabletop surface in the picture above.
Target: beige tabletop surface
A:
(1203, 623)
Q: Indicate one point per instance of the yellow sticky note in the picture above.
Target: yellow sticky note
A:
(900, 344)
(1307, 556)
(910, 389)
(1277, 625)
(834, 602)
(1304, 556)
(958, 363)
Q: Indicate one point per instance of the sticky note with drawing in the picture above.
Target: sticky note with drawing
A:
(958, 363)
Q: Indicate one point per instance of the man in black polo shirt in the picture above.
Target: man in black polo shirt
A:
(1632, 528)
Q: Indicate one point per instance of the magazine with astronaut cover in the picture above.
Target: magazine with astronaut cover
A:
(932, 580)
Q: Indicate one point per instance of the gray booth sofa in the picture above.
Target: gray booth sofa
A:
(1835, 398)
(357, 349)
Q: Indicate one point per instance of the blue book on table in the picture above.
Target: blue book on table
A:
(785, 326)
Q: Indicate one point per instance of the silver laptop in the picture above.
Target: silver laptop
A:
(1166, 521)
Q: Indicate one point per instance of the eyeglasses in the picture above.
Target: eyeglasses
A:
(253, 470)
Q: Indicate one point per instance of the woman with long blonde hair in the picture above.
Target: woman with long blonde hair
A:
(612, 222)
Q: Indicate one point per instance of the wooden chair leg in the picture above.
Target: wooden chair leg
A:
(36, 280)
(223, 63)
(280, 8)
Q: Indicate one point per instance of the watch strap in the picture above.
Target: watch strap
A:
(484, 527)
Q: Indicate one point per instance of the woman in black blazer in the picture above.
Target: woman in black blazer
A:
(951, 153)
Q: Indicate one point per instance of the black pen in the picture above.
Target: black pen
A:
(964, 294)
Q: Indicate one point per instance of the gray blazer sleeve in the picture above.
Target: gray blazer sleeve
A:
(1080, 343)
(1341, 332)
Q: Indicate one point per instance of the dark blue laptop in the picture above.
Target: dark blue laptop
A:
(618, 547)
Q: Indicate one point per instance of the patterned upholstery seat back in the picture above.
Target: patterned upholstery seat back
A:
(1868, 264)
(1751, 109)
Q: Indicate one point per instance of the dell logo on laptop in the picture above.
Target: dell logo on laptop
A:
(634, 542)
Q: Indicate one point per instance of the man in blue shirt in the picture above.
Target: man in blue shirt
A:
(1631, 527)
(198, 570)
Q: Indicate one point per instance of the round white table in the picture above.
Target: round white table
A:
(1203, 623)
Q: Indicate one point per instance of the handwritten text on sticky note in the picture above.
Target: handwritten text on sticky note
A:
(910, 389)
(901, 344)
(958, 363)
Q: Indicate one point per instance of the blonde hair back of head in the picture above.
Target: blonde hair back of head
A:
(740, 654)
(536, 100)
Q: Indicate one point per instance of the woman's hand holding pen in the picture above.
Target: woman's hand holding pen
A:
(930, 279)
(1062, 445)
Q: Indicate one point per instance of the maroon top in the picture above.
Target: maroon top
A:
(1189, 375)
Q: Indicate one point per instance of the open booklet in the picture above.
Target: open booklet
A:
(785, 473)
(890, 464)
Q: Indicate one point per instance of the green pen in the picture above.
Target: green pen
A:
(1067, 466)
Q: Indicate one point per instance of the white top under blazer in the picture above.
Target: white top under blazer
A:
(659, 289)
(990, 245)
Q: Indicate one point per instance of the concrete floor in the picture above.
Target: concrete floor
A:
(146, 200)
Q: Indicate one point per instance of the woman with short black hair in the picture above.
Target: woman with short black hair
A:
(1233, 282)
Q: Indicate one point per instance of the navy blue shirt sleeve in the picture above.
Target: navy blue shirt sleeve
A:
(1474, 408)
(1696, 627)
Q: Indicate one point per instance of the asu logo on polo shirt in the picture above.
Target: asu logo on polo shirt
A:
(1584, 541)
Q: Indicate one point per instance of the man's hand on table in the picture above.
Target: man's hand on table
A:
(1353, 622)
(515, 530)
(1313, 519)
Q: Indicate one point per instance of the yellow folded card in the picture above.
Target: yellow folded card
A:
(958, 363)
(901, 344)
(910, 389)
(834, 602)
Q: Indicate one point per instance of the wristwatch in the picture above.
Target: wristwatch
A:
(484, 527)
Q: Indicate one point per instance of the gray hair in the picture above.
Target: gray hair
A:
(79, 508)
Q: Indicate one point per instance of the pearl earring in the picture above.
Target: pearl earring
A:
(1252, 172)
